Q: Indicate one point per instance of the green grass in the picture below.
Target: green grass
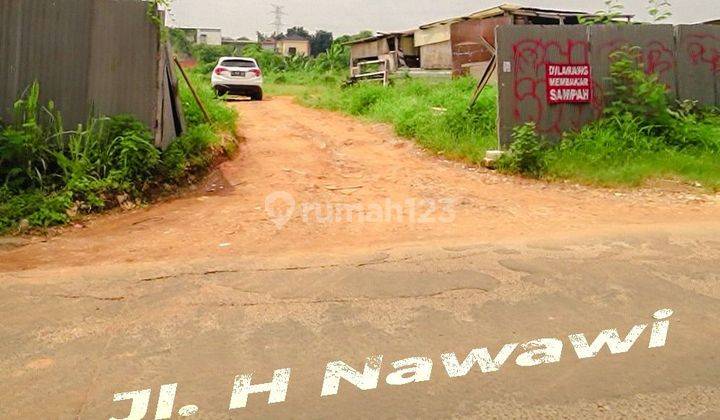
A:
(434, 113)
(621, 150)
(223, 117)
(49, 175)
(703, 168)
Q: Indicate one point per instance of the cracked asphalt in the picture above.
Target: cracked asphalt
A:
(72, 342)
(141, 299)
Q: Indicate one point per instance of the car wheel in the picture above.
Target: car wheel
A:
(258, 96)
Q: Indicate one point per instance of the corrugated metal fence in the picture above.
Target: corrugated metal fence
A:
(685, 57)
(101, 56)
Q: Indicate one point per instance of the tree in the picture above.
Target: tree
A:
(320, 42)
(298, 31)
(349, 38)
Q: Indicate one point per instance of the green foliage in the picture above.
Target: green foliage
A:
(222, 116)
(298, 31)
(349, 38)
(659, 10)
(189, 153)
(320, 42)
(435, 113)
(642, 136)
(361, 100)
(36, 207)
(526, 155)
(336, 58)
(210, 54)
(179, 41)
(611, 14)
(153, 7)
(623, 152)
(26, 147)
(634, 92)
(49, 175)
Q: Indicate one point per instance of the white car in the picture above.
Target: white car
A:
(238, 76)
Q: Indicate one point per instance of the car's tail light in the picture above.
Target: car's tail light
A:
(256, 72)
(220, 70)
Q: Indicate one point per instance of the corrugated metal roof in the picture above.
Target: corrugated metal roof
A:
(501, 10)
(381, 35)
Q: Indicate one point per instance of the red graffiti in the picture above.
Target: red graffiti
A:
(657, 57)
(703, 50)
(530, 57)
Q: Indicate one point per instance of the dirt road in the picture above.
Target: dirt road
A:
(310, 154)
(197, 290)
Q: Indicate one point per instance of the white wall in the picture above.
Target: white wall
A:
(209, 36)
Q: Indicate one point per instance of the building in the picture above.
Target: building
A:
(713, 22)
(466, 44)
(293, 45)
(462, 45)
(208, 36)
(239, 44)
(398, 48)
(268, 44)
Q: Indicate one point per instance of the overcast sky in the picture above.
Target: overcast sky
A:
(245, 17)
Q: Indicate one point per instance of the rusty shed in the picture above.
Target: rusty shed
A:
(466, 44)
(473, 38)
(397, 48)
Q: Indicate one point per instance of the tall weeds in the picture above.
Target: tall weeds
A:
(49, 175)
(434, 113)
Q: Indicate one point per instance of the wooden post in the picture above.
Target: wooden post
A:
(192, 89)
(386, 64)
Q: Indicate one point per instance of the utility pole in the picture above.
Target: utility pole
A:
(278, 12)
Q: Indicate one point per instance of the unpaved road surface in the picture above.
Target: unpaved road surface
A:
(308, 154)
(199, 289)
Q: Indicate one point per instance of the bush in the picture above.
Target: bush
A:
(641, 135)
(526, 155)
(634, 92)
(223, 117)
(362, 100)
(48, 175)
(211, 54)
(179, 41)
(189, 152)
(335, 59)
(435, 113)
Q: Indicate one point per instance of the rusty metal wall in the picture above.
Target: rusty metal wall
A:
(686, 59)
(99, 55)
(466, 49)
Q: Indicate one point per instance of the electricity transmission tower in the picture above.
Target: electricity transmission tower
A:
(278, 12)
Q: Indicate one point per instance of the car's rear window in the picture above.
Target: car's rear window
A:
(245, 64)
